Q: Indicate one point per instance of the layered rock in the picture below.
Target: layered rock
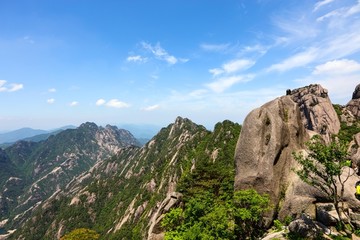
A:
(354, 105)
(317, 111)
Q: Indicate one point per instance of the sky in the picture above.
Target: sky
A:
(146, 62)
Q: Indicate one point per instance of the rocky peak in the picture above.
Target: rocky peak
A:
(356, 93)
(317, 111)
(354, 105)
(89, 125)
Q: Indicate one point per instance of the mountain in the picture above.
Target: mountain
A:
(22, 133)
(28, 134)
(124, 196)
(185, 177)
(43, 168)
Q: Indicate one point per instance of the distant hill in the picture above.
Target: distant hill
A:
(21, 133)
(29, 134)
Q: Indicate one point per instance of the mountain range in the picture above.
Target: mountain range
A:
(103, 179)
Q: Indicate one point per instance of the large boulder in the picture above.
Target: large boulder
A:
(269, 136)
(306, 228)
(263, 153)
(354, 105)
(317, 111)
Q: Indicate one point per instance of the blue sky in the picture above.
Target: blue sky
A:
(147, 62)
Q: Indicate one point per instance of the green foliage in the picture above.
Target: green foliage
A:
(206, 217)
(338, 109)
(323, 167)
(207, 211)
(81, 234)
(278, 225)
(347, 132)
(249, 209)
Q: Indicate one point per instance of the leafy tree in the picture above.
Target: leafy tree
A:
(249, 209)
(322, 168)
(81, 234)
(206, 217)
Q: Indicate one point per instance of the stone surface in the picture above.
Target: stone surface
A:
(326, 214)
(354, 104)
(155, 231)
(263, 153)
(269, 136)
(356, 93)
(354, 107)
(317, 111)
(307, 228)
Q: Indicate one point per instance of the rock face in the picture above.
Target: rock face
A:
(356, 94)
(156, 231)
(306, 228)
(269, 136)
(354, 105)
(263, 154)
(317, 112)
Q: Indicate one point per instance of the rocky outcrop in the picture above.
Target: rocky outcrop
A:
(354, 105)
(263, 154)
(306, 228)
(317, 111)
(269, 136)
(156, 232)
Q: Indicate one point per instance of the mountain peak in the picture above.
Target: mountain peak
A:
(89, 125)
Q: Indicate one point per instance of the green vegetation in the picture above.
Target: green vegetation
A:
(322, 169)
(210, 208)
(200, 161)
(81, 234)
(206, 217)
(347, 130)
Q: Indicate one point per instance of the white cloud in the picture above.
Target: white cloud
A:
(151, 108)
(298, 60)
(100, 102)
(136, 58)
(50, 100)
(343, 12)
(216, 71)
(161, 53)
(214, 47)
(115, 103)
(226, 82)
(198, 93)
(52, 90)
(232, 66)
(343, 44)
(12, 87)
(256, 48)
(237, 65)
(321, 3)
(339, 77)
(74, 103)
(337, 67)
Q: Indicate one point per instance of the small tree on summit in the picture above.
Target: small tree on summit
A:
(322, 169)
